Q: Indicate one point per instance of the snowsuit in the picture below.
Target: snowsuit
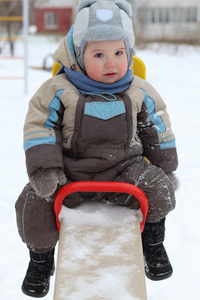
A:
(96, 139)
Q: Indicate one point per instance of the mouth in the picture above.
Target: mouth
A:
(110, 74)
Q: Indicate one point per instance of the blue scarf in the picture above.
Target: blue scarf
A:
(88, 86)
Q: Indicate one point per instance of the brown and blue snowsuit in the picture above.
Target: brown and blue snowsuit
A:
(94, 139)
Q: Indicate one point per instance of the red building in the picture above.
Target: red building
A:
(54, 16)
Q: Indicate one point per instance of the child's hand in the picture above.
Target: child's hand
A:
(45, 181)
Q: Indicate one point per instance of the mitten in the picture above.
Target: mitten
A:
(45, 181)
(174, 180)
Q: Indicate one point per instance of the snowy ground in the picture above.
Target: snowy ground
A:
(174, 72)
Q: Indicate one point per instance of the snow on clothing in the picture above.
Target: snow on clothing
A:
(97, 138)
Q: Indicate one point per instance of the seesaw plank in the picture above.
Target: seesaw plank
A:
(100, 254)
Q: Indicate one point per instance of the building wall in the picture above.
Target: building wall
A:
(53, 20)
(171, 20)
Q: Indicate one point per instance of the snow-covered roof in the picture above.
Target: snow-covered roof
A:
(54, 3)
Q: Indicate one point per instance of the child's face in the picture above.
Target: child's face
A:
(105, 61)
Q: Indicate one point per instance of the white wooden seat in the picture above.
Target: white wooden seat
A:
(100, 251)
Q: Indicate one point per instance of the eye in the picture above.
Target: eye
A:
(99, 55)
(118, 53)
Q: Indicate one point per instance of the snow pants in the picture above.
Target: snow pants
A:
(36, 219)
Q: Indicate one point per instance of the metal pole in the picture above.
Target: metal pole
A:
(25, 28)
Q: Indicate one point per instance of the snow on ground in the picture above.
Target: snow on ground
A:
(174, 72)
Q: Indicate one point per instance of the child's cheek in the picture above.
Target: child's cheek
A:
(93, 73)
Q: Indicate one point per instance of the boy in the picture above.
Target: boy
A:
(95, 121)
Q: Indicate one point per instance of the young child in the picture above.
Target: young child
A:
(95, 121)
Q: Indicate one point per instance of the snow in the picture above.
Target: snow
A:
(93, 234)
(92, 214)
(174, 72)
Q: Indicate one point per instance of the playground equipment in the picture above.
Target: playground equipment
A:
(100, 258)
(25, 20)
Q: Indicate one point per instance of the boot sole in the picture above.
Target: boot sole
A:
(34, 294)
(158, 277)
(31, 293)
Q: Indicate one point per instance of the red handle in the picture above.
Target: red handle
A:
(101, 186)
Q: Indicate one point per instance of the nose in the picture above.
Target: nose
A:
(109, 63)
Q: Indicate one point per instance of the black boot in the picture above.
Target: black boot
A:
(37, 279)
(156, 261)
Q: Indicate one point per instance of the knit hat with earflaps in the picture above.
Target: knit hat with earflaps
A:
(98, 20)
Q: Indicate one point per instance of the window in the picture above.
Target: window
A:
(178, 12)
(164, 15)
(142, 15)
(168, 15)
(50, 20)
(192, 14)
(153, 15)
